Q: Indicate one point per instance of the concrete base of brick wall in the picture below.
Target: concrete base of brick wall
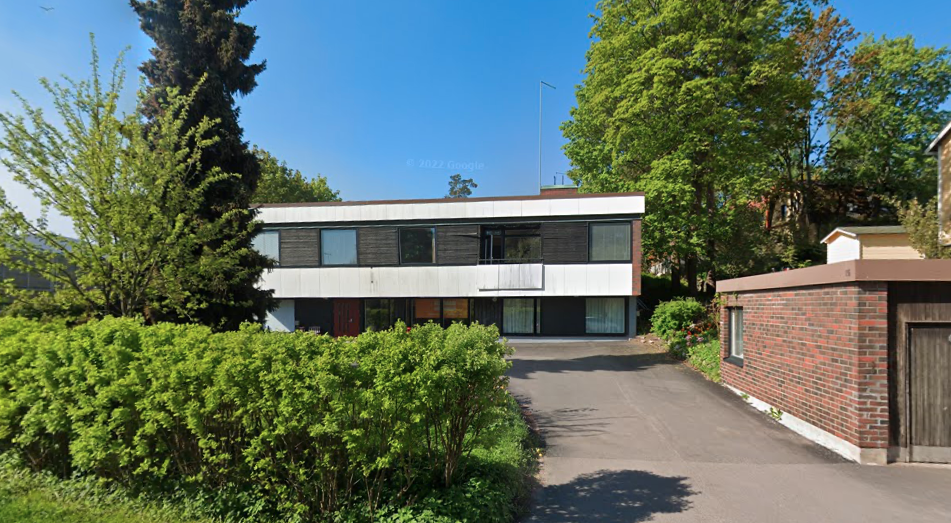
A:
(817, 435)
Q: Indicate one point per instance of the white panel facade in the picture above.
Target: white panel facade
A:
(281, 319)
(472, 281)
(510, 208)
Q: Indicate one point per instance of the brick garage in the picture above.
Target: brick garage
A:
(824, 346)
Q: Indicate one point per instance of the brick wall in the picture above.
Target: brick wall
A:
(819, 353)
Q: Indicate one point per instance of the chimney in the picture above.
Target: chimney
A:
(559, 190)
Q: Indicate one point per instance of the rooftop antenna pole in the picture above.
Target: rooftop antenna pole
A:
(541, 84)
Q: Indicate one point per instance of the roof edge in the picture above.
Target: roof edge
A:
(933, 146)
(837, 230)
(447, 200)
(843, 272)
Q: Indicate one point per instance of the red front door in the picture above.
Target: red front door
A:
(346, 317)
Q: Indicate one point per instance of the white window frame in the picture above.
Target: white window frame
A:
(735, 316)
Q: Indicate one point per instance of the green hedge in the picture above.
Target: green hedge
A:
(263, 425)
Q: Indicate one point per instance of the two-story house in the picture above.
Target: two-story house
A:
(556, 264)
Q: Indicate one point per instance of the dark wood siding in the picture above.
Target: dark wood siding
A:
(909, 304)
(930, 392)
(300, 247)
(378, 246)
(565, 242)
(457, 244)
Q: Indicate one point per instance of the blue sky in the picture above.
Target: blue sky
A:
(385, 98)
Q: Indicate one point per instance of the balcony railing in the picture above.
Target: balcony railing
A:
(508, 261)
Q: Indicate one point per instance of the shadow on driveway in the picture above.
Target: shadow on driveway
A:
(612, 497)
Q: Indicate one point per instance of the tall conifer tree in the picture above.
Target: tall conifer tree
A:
(196, 39)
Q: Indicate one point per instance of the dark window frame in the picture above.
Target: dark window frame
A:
(504, 230)
(399, 241)
(356, 247)
(630, 240)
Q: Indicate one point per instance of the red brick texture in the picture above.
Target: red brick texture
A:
(819, 353)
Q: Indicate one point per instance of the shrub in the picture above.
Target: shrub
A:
(260, 425)
(674, 316)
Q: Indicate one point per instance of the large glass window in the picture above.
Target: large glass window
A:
(518, 315)
(736, 332)
(427, 309)
(455, 310)
(379, 314)
(338, 247)
(609, 242)
(268, 243)
(514, 244)
(604, 316)
(418, 245)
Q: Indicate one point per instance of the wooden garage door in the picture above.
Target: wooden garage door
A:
(930, 393)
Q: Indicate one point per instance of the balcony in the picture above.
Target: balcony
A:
(509, 275)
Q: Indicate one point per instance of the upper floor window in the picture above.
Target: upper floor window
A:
(418, 245)
(268, 243)
(515, 244)
(338, 247)
(609, 242)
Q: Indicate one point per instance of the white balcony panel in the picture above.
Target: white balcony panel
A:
(530, 279)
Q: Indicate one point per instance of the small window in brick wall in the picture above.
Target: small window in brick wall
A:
(736, 332)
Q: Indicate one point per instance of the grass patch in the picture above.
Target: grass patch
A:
(36, 497)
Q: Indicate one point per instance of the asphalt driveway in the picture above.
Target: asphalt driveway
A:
(633, 436)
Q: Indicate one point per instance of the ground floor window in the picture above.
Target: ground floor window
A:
(518, 315)
(455, 310)
(427, 309)
(379, 314)
(604, 316)
(736, 332)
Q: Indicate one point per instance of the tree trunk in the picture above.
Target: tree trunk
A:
(692, 275)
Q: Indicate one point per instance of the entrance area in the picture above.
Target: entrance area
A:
(346, 317)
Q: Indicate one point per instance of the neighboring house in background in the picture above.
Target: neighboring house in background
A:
(941, 148)
(556, 264)
(25, 281)
(889, 242)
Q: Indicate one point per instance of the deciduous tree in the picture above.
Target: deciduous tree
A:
(281, 184)
(131, 193)
(888, 109)
(684, 99)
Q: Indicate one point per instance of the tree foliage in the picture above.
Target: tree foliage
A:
(281, 184)
(889, 109)
(683, 99)
(460, 187)
(755, 125)
(131, 193)
(921, 222)
(201, 40)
